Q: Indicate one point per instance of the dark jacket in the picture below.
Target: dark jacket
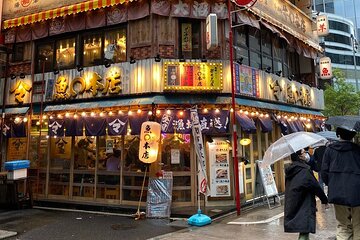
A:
(318, 157)
(340, 170)
(301, 187)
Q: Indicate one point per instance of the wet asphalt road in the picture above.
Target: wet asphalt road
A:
(57, 225)
(39, 224)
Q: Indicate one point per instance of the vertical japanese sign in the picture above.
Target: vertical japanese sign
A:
(219, 168)
(186, 37)
(322, 25)
(200, 152)
(325, 68)
(211, 32)
(149, 141)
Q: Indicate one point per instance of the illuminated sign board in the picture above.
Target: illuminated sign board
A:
(322, 25)
(325, 68)
(188, 76)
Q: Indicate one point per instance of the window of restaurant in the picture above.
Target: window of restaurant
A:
(114, 49)
(255, 48)
(266, 48)
(21, 52)
(190, 39)
(175, 157)
(59, 169)
(241, 44)
(95, 47)
(108, 168)
(38, 150)
(278, 55)
(65, 53)
(84, 167)
(133, 172)
(45, 57)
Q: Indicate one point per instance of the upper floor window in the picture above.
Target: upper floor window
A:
(65, 53)
(110, 45)
(45, 57)
(21, 52)
(89, 50)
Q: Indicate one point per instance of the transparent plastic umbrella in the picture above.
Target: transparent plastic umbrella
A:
(291, 143)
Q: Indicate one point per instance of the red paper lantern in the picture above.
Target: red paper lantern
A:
(244, 3)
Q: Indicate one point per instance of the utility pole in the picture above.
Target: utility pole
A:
(354, 47)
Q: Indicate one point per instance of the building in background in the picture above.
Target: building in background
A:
(341, 43)
(83, 78)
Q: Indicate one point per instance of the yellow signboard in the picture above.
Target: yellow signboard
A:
(191, 76)
(16, 149)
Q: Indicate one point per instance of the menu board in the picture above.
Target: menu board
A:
(219, 168)
(267, 179)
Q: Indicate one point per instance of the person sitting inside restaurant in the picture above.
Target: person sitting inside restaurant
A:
(113, 162)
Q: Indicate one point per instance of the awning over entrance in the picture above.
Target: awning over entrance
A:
(63, 11)
(246, 123)
(16, 110)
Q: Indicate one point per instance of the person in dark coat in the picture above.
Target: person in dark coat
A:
(340, 171)
(301, 187)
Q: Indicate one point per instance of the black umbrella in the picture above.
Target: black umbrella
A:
(348, 121)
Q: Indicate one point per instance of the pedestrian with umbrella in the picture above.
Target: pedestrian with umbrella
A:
(301, 187)
(340, 171)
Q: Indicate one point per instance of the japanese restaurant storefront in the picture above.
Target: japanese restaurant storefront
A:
(84, 97)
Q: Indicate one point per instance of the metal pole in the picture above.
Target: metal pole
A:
(3, 105)
(355, 65)
(233, 116)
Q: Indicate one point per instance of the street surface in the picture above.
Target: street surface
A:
(253, 223)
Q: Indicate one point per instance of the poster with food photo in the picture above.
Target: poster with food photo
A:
(219, 168)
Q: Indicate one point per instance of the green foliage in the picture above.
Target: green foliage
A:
(341, 98)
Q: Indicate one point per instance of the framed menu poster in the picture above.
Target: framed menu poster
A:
(219, 168)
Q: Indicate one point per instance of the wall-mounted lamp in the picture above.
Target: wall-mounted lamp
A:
(245, 141)
(240, 60)
(22, 75)
(291, 77)
(79, 68)
(203, 59)
(278, 73)
(182, 59)
(268, 70)
(132, 60)
(12, 76)
(107, 63)
(244, 160)
(157, 58)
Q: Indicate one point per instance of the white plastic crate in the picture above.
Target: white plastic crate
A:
(17, 174)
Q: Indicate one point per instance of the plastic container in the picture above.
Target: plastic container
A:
(18, 164)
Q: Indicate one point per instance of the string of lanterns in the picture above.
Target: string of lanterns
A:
(179, 111)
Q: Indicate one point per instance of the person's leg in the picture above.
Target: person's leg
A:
(304, 236)
(321, 182)
(355, 214)
(344, 229)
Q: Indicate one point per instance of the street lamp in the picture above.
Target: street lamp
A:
(354, 44)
